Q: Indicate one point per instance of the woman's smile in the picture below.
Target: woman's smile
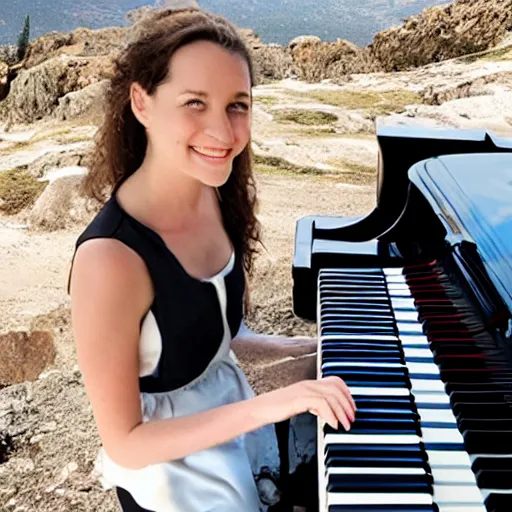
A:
(212, 154)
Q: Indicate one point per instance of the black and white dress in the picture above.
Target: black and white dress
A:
(186, 366)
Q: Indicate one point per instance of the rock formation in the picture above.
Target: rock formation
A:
(443, 32)
(58, 64)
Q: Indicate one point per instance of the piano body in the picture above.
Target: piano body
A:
(413, 305)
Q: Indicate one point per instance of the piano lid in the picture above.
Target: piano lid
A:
(472, 194)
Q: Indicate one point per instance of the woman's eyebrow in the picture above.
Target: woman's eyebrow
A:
(203, 94)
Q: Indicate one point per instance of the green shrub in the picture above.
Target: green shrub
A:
(18, 189)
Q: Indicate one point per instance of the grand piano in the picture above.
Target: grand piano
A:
(413, 304)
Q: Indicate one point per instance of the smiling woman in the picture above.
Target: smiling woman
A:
(158, 283)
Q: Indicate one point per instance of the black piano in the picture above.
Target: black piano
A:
(413, 304)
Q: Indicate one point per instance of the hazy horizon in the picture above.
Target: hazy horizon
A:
(276, 21)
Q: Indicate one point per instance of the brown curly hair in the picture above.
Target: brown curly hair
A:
(121, 142)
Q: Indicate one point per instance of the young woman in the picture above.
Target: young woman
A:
(159, 277)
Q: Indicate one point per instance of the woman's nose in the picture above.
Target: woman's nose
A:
(219, 127)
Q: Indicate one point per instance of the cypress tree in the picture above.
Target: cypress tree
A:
(23, 39)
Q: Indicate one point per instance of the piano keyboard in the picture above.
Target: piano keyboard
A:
(433, 427)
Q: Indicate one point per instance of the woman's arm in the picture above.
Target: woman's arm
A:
(265, 346)
(111, 291)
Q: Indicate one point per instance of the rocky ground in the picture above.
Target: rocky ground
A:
(316, 153)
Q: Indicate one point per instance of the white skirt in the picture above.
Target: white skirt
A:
(220, 479)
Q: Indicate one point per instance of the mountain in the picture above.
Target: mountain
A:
(276, 21)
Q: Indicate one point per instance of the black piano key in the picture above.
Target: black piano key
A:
(378, 426)
(352, 348)
(357, 322)
(482, 397)
(497, 502)
(352, 309)
(488, 441)
(493, 463)
(380, 483)
(355, 301)
(377, 462)
(376, 450)
(352, 382)
(484, 423)
(387, 413)
(344, 286)
(351, 344)
(333, 357)
(398, 402)
(483, 410)
(494, 479)
(361, 329)
(389, 379)
(361, 455)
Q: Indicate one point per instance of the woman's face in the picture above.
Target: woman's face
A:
(199, 120)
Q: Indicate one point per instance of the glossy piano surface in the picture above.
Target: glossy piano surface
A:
(414, 312)
(472, 195)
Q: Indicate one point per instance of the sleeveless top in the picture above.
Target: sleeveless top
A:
(186, 366)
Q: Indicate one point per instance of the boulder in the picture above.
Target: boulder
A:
(25, 355)
(73, 155)
(82, 42)
(272, 62)
(317, 60)
(8, 54)
(36, 91)
(61, 205)
(303, 41)
(443, 32)
(80, 103)
(4, 80)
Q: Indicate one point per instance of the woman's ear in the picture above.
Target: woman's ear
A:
(140, 102)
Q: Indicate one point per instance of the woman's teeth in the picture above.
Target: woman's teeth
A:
(217, 153)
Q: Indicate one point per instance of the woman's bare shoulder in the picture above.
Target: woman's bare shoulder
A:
(106, 267)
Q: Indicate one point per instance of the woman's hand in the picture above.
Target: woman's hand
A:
(262, 347)
(295, 346)
(328, 398)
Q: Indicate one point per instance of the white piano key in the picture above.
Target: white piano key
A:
(406, 316)
(449, 459)
(403, 303)
(395, 278)
(348, 438)
(397, 286)
(453, 476)
(437, 415)
(418, 352)
(441, 435)
(430, 398)
(367, 391)
(408, 340)
(393, 271)
(423, 369)
(374, 471)
(409, 328)
(463, 508)
(374, 498)
(457, 494)
(427, 385)
(399, 294)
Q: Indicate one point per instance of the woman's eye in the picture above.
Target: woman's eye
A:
(240, 107)
(195, 103)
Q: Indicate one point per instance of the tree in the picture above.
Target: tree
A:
(24, 39)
